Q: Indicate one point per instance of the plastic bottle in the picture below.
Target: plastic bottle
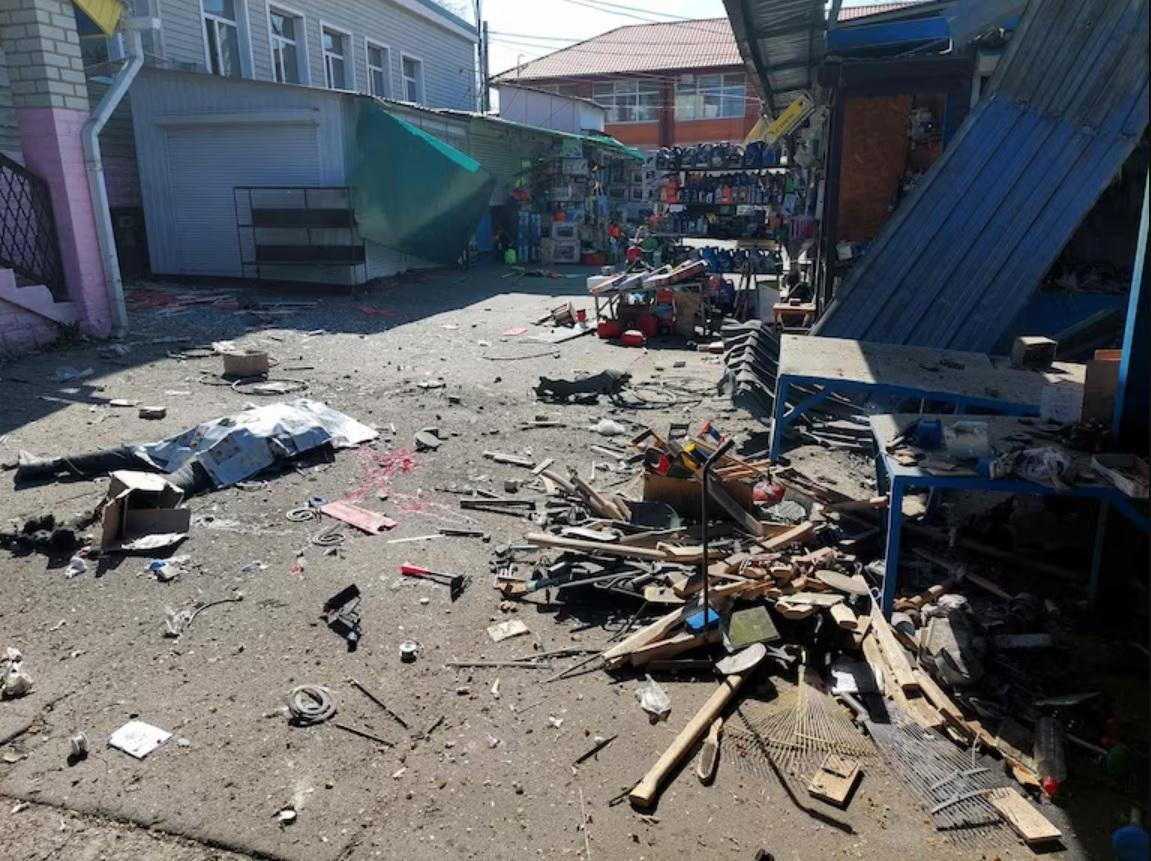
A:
(1050, 758)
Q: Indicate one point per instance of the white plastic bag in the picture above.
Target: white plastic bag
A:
(653, 699)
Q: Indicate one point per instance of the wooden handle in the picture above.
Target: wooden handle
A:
(646, 790)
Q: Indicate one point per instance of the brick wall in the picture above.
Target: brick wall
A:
(668, 131)
(42, 49)
(874, 159)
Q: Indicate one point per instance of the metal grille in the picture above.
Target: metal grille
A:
(28, 244)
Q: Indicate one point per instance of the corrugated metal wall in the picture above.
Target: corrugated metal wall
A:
(197, 137)
(118, 150)
(962, 255)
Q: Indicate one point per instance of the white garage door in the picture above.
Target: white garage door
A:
(206, 163)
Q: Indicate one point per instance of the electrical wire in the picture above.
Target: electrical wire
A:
(310, 705)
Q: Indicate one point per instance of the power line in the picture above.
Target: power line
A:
(588, 4)
(610, 4)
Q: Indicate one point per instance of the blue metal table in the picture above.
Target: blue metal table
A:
(966, 380)
(896, 479)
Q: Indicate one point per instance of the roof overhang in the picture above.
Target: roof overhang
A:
(782, 43)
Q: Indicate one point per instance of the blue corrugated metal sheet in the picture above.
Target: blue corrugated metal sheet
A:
(965, 251)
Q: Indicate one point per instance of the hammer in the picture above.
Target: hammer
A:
(455, 582)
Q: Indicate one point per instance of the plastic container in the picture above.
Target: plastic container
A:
(929, 433)
(647, 324)
(633, 338)
(1050, 757)
(608, 329)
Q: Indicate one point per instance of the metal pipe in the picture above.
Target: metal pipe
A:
(97, 187)
(723, 449)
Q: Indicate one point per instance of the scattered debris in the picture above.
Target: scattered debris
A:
(507, 629)
(654, 700)
(138, 739)
(14, 681)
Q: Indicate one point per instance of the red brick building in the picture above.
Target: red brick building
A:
(661, 84)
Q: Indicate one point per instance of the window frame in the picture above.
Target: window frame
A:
(619, 89)
(303, 67)
(243, 37)
(698, 93)
(422, 100)
(348, 58)
(389, 87)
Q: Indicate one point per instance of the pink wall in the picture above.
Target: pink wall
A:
(21, 331)
(53, 150)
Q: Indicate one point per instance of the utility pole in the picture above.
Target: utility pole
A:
(485, 73)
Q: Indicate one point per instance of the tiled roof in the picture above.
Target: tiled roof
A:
(849, 13)
(639, 48)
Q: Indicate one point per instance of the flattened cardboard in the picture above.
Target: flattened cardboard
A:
(141, 512)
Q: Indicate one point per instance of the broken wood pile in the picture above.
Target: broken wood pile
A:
(788, 584)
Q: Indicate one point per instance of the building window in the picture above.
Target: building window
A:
(222, 37)
(336, 60)
(413, 79)
(628, 101)
(379, 70)
(286, 30)
(706, 97)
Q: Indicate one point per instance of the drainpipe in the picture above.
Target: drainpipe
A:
(98, 189)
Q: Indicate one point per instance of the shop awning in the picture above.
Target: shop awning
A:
(606, 142)
(413, 192)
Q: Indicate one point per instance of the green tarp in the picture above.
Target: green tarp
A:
(414, 193)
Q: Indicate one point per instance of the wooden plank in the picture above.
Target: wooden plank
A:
(901, 670)
(732, 508)
(672, 646)
(851, 585)
(916, 708)
(815, 599)
(795, 612)
(795, 534)
(548, 540)
(835, 779)
(844, 617)
(510, 459)
(688, 553)
(1024, 819)
(647, 634)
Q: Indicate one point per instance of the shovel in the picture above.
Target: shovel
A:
(455, 582)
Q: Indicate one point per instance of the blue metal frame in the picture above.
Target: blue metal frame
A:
(1131, 393)
(901, 478)
(854, 37)
(783, 418)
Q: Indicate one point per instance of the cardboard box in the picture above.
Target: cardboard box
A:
(141, 511)
(248, 363)
(1033, 351)
(564, 231)
(566, 251)
(683, 494)
(1101, 384)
